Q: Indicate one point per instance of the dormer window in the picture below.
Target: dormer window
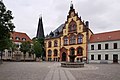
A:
(24, 39)
(17, 38)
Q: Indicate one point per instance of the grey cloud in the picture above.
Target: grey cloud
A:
(102, 14)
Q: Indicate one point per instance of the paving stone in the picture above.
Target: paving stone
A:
(56, 75)
(53, 71)
(62, 75)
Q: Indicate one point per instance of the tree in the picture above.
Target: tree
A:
(31, 51)
(4, 44)
(13, 47)
(38, 47)
(25, 47)
(6, 26)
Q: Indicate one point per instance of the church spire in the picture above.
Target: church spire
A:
(71, 6)
(40, 30)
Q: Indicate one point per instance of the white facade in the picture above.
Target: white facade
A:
(17, 55)
(113, 54)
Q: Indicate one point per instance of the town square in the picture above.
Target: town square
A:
(53, 71)
(59, 40)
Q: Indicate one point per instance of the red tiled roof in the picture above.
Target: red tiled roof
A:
(20, 35)
(106, 36)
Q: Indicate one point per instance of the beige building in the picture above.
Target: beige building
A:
(17, 55)
(70, 38)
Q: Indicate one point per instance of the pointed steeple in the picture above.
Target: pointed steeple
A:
(40, 30)
(71, 6)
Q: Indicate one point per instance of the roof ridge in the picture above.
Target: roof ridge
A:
(19, 32)
(107, 32)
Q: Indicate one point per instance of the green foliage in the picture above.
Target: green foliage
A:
(25, 47)
(6, 26)
(38, 47)
(4, 44)
(12, 47)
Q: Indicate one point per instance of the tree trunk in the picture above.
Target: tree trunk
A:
(33, 56)
(12, 55)
(1, 57)
(24, 57)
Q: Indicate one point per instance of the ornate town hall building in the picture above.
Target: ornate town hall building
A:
(70, 38)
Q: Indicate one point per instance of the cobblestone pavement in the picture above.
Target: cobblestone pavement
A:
(53, 71)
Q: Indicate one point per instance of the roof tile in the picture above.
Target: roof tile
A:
(106, 36)
(20, 35)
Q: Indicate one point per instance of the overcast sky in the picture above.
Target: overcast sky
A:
(103, 15)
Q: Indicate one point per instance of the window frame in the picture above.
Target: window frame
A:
(92, 57)
(49, 44)
(49, 52)
(99, 46)
(99, 56)
(92, 47)
(55, 52)
(106, 57)
(106, 46)
(115, 46)
(55, 43)
(80, 39)
(72, 39)
(65, 39)
(79, 53)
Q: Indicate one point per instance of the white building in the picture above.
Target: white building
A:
(104, 47)
(17, 55)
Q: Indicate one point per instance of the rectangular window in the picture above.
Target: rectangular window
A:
(92, 47)
(92, 57)
(99, 46)
(65, 41)
(106, 56)
(106, 46)
(80, 39)
(99, 57)
(115, 45)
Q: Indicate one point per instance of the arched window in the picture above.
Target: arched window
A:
(55, 52)
(65, 40)
(49, 52)
(72, 26)
(55, 43)
(72, 51)
(72, 39)
(49, 44)
(80, 40)
(79, 51)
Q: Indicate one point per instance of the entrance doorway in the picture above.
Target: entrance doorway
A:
(63, 56)
(115, 58)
